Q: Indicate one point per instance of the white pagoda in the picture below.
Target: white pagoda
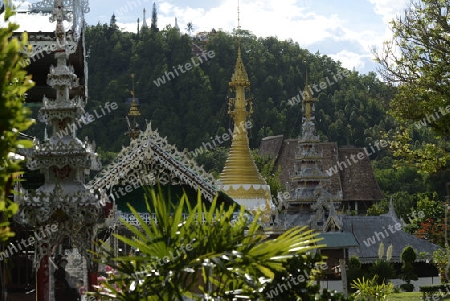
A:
(63, 201)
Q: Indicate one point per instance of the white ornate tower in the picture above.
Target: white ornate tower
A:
(308, 195)
(64, 203)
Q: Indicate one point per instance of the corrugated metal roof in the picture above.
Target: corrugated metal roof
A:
(338, 240)
(370, 231)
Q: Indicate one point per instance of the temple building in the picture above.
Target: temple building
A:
(307, 163)
(327, 190)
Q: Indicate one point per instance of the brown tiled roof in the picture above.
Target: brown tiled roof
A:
(356, 181)
(272, 146)
(330, 155)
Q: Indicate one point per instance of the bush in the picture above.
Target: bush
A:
(430, 290)
(383, 270)
(354, 270)
(408, 258)
(407, 287)
(370, 290)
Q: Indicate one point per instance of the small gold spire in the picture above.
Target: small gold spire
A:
(239, 77)
(239, 19)
(134, 111)
(308, 100)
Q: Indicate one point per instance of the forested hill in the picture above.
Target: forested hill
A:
(191, 106)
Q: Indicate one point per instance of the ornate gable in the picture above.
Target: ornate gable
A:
(150, 159)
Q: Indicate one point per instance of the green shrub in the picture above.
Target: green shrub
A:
(407, 287)
(370, 290)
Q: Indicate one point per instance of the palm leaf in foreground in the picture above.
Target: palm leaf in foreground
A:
(214, 252)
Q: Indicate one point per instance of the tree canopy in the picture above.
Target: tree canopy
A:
(14, 117)
(416, 61)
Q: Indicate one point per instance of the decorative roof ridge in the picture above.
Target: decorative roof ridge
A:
(273, 137)
(150, 143)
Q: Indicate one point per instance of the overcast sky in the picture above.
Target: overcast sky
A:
(345, 30)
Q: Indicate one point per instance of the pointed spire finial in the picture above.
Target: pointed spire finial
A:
(144, 22)
(239, 19)
(308, 100)
(134, 111)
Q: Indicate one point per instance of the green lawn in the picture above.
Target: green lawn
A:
(416, 296)
(405, 296)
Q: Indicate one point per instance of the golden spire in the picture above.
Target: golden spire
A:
(308, 100)
(240, 167)
(134, 111)
(240, 179)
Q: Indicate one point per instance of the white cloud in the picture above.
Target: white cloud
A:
(389, 8)
(350, 60)
(282, 18)
(312, 24)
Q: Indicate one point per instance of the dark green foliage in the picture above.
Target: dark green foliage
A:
(407, 287)
(14, 117)
(192, 107)
(213, 161)
(298, 281)
(434, 291)
(434, 288)
(383, 269)
(266, 167)
(354, 270)
(408, 257)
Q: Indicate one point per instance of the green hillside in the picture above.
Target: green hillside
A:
(182, 87)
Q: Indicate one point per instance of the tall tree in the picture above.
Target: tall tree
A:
(416, 59)
(112, 22)
(190, 27)
(154, 25)
(14, 82)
